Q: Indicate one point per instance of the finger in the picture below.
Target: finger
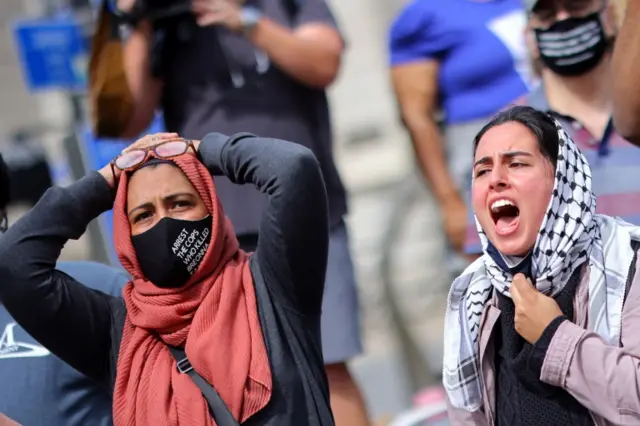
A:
(517, 323)
(520, 281)
(207, 20)
(150, 139)
(518, 286)
(525, 285)
(206, 8)
(210, 18)
(163, 135)
(199, 7)
(141, 141)
(515, 293)
(530, 285)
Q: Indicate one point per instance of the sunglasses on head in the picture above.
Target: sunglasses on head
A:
(132, 159)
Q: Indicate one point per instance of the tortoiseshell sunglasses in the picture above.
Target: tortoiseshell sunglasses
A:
(129, 160)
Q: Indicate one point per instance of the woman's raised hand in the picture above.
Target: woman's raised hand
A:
(158, 138)
(111, 174)
(151, 140)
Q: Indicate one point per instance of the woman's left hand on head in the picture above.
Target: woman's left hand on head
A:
(151, 140)
(534, 310)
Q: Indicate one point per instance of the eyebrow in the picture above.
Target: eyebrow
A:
(169, 197)
(509, 155)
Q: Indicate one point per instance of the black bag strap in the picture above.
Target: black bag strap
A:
(217, 407)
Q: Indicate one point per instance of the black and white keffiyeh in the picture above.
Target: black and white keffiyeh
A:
(571, 233)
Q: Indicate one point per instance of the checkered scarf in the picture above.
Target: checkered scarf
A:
(571, 233)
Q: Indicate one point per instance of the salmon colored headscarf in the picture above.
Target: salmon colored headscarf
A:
(214, 317)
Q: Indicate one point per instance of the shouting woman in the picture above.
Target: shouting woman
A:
(541, 330)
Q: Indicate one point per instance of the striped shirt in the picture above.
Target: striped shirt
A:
(615, 168)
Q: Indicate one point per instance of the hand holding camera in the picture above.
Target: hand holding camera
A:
(219, 12)
(226, 13)
(125, 6)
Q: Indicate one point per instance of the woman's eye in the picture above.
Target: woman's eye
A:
(142, 216)
(517, 165)
(481, 172)
(181, 204)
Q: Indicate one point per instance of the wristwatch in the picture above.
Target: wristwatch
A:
(249, 17)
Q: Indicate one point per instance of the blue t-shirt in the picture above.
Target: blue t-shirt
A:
(480, 46)
(38, 388)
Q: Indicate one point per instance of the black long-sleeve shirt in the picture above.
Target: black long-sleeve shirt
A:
(84, 327)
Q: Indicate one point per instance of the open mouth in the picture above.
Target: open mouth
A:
(505, 215)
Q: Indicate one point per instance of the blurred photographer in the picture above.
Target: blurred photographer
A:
(259, 66)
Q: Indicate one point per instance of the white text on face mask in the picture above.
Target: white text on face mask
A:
(191, 247)
(178, 242)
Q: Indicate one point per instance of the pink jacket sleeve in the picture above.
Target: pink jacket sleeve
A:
(459, 417)
(604, 379)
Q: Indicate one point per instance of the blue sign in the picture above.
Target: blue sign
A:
(53, 53)
(97, 153)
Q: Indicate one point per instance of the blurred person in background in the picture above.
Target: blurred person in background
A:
(573, 43)
(625, 66)
(468, 59)
(542, 329)
(262, 67)
(39, 388)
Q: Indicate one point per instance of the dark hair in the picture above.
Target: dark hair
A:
(539, 123)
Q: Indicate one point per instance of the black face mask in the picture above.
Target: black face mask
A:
(171, 252)
(572, 46)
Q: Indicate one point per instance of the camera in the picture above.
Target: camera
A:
(152, 10)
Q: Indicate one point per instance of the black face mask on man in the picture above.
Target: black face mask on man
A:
(171, 252)
(572, 46)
